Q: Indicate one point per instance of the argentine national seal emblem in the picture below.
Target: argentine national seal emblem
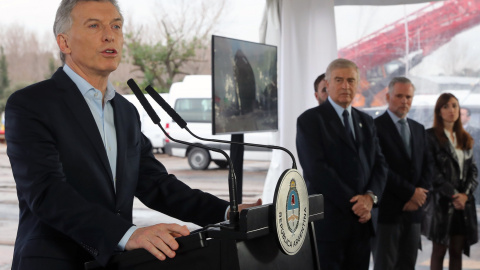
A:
(291, 211)
(293, 207)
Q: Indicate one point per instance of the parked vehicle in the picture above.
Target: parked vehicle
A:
(423, 105)
(192, 99)
(151, 131)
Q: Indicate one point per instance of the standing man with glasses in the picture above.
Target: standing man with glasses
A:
(341, 158)
(404, 146)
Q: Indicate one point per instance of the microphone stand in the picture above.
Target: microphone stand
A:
(175, 116)
(232, 183)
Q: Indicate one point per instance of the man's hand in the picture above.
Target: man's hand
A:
(246, 205)
(459, 201)
(410, 206)
(362, 207)
(158, 239)
(365, 218)
(419, 196)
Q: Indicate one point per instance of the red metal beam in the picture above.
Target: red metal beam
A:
(428, 29)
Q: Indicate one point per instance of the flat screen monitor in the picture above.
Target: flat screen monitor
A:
(244, 86)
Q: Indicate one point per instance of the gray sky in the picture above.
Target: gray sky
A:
(243, 22)
(38, 15)
(243, 19)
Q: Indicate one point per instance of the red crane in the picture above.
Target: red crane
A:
(428, 28)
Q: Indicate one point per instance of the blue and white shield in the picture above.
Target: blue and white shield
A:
(293, 209)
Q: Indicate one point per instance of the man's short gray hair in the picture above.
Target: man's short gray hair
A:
(341, 63)
(399, 80)
(63, 19)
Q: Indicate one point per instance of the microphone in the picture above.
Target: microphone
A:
(143, 100)
(234, 216)
(179, 120)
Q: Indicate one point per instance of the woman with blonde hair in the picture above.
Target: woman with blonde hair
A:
(451, 220)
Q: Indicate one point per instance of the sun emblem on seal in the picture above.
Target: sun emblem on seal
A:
(293, 207)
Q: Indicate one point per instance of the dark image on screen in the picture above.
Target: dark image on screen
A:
(244, 85)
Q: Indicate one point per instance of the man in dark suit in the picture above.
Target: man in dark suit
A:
(404, 146)
(339, 152)
(78, 157)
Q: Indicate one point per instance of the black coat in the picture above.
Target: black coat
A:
(69, 209)
(337, 168)
(404, 173)
(439, 210)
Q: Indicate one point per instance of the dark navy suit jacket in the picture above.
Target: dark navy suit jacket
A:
(69, 210)
(339, 168)
(404, 173)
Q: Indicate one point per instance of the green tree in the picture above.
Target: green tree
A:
(52, 67)
(182, 36)
(4, 81)
(159, 62)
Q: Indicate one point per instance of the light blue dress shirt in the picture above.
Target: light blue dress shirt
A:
(339, 109)
(105, 121)
(103, 115)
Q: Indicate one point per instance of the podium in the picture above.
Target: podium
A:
(254, 245)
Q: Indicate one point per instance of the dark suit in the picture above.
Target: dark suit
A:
(404, 175)
(339, 168)
(70, 212)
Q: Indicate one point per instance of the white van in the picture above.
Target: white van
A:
(152, 131)
(192, 100)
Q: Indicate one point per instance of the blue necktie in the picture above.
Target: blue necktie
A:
(405, 135)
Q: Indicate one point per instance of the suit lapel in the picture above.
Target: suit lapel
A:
(414, 141)
(83, 116)
(450, 150)
(336, 125)
(119, 116)
(358, 127)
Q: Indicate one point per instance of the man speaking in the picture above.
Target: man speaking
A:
(78, 156)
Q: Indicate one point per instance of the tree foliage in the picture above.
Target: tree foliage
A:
(4, 80)
(182, 39)
(161, 62)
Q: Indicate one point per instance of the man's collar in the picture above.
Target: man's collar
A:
(394, 117)
(339, 109)
(84, 86)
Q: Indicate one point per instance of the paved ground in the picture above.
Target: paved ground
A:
(213, 180)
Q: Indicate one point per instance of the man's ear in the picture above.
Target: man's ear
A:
(62, 42)
(387, 97)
